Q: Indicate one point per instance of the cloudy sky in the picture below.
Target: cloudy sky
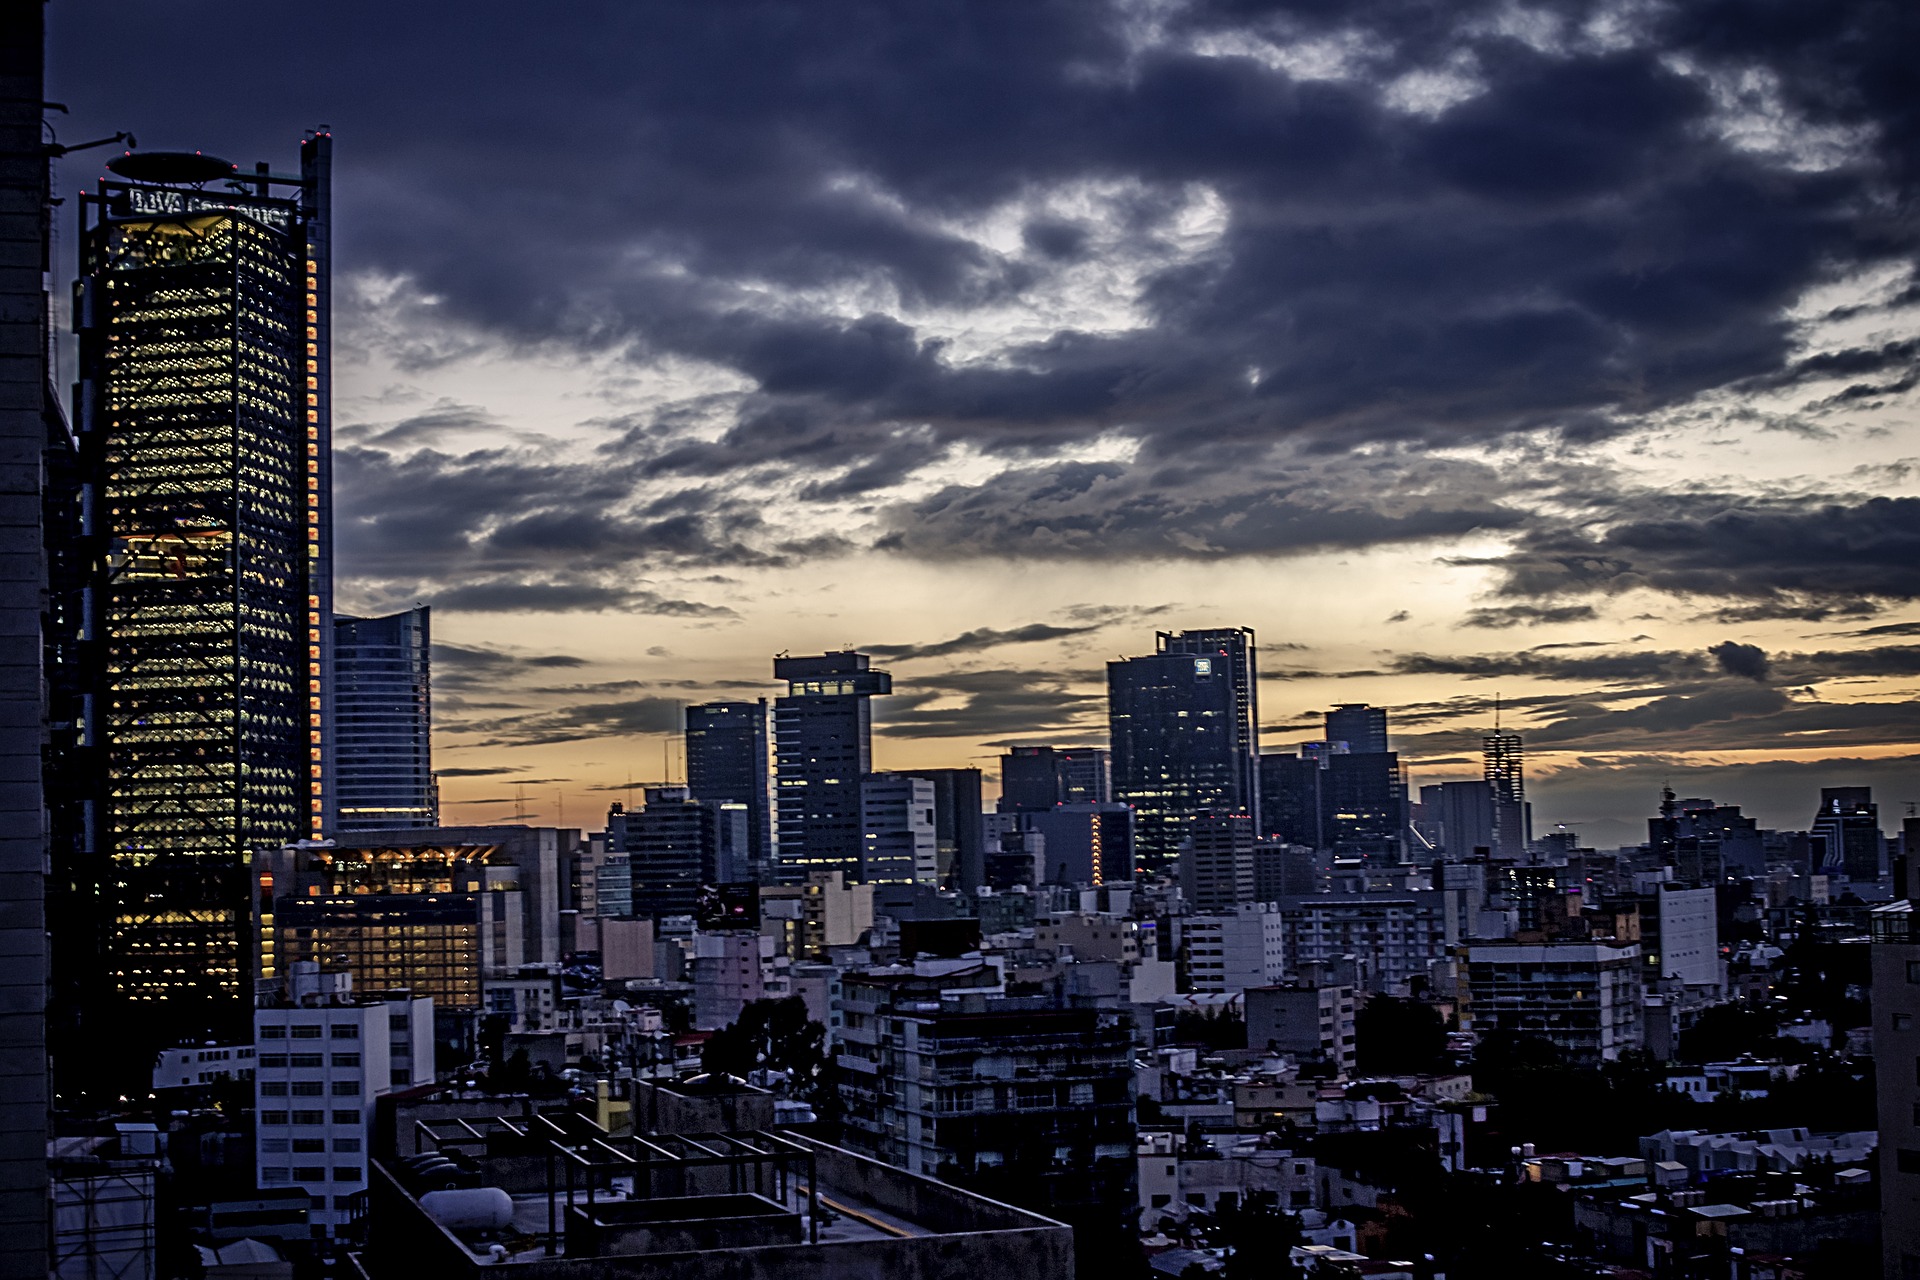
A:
(1557, 351)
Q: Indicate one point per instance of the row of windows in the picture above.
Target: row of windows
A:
(270, 1060)
(308, 1117)
(310, 1173)
(308, 1089)
(280, 1146)
(309, 1031)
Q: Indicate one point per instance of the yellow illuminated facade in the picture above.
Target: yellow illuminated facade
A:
(203, 436)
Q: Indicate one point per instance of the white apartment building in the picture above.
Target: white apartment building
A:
(1234, 950)
(322, 1057)
(196, 1066)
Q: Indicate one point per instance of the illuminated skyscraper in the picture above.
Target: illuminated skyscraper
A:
(1231, 651)
(1176, 751)
(203, 413)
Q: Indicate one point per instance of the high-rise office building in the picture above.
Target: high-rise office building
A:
(1176, 749)
(202, 314)
(1216, 863)
(1290, 803)
(959, 833)
(1846, 834)
(1365, 804)
(1034, 779)
(1464, 812)
(823, 747)
(1086, 775)
(898, 840)
(1505, 759)
(727, 762)
(1029, 780)
(1232, 647)
(28, 421)
(1361, 727)
(383, 722)
(675, 845)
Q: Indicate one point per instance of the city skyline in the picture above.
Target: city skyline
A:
(1665, 510)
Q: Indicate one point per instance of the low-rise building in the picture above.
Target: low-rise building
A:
(1582, 997)
(323, 1056)
(1311, 1024)
(1233, 950)
(1019, 1098)
(198, 1066)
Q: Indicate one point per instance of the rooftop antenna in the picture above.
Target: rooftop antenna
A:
(520, 802)
(1496, 713)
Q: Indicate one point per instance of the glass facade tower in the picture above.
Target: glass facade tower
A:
(1176, 748)
(1230, 652)
(383, 722)
(823, 747)
(727, 762)
(204, 435)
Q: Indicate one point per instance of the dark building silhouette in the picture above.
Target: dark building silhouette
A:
(1217, 862)
(727, 761)
(1234, 647)
(31, 430)
(383, 721)
(823, 747)
(1030, 780)
(1846, 834)
(211, 599)
(676, 844)
(1463, 811)
(1365, 804)
(1086, 775)
(1706, 842)
(1290, 806)
(1505, 759)
(1361, 727)
(1033, 779)
(1176, 750)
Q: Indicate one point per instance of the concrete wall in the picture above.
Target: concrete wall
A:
(662, 1110)
(403, 1243)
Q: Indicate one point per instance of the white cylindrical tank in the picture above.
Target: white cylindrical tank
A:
(467, 1208)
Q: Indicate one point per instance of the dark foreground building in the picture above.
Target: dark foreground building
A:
(1017, 1098)
(539, 1204)
(28, 419)
(203, 417)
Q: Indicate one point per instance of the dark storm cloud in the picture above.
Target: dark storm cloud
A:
(996, 704)
(471, 668)
(622, 718)
(1499, 618)
(493, 772)
(1736, 659)
(1574, 242)
(978, 639)
(1773, 557)
(1108, 511)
